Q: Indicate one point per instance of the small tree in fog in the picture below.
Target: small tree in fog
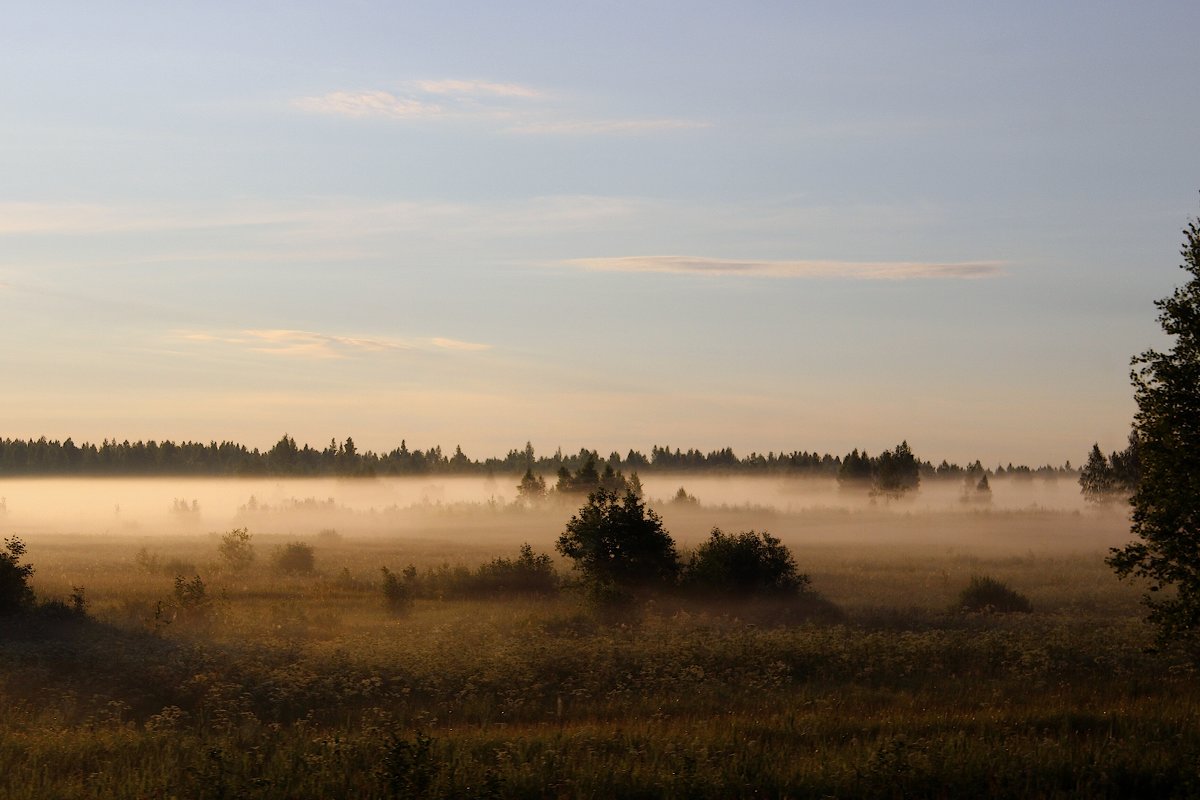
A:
(236, 550)
(532, 488)
(618, 542)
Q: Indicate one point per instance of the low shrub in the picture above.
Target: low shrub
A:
(988, 595)
(295, 558)
(526, 574)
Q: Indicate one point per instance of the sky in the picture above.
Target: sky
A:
(772, 226)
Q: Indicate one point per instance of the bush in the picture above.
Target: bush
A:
(526, 574)
(295, 558)
(988, 595)
(192, 600)
(15, 593)
(747, 563)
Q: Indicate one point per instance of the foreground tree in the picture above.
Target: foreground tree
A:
(15, 593)
(619, 543)
(1166, 503)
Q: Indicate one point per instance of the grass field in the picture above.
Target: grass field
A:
(308, 686)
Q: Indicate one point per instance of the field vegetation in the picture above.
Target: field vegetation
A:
(433, 661)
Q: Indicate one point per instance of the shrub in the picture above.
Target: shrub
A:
(296, 558)
(192, 599)
(526, 574)
(236, 550)
(15, 593)
(986, 594)
(747, 563)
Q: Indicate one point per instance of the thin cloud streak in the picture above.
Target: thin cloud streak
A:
(361, 104)
(605, 127)
(862, 270)
(504, 103)
(309, 344)
(460, 87)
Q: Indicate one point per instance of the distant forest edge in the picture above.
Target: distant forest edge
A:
(20, 457)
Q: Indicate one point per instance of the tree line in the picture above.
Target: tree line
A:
(286, 457)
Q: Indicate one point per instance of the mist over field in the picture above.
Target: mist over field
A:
(485, 512)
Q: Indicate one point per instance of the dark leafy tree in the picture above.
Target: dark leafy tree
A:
(618, 542)
(1166, 503)
(15, 593)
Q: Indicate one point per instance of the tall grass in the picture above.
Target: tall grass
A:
(309, 686)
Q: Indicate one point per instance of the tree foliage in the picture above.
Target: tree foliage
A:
(618, 542)
(1166, 503)
(15, 592)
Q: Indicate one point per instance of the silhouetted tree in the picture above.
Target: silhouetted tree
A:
(896, 471)
(619, 542)
(15, 593)
(1166, 503)
(532, 488)
(1097, 481)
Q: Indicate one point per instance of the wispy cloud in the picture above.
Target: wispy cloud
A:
(864, 270)
(455, 344)
(510, 107)
(423, 100)
(604, 127)
(458, 87)
(370, 103)
(309, 344)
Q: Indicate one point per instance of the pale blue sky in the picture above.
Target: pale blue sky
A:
(768, 225)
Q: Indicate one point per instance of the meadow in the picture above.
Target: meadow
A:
(255, 682)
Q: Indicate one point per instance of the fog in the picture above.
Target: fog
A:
(483, 510)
